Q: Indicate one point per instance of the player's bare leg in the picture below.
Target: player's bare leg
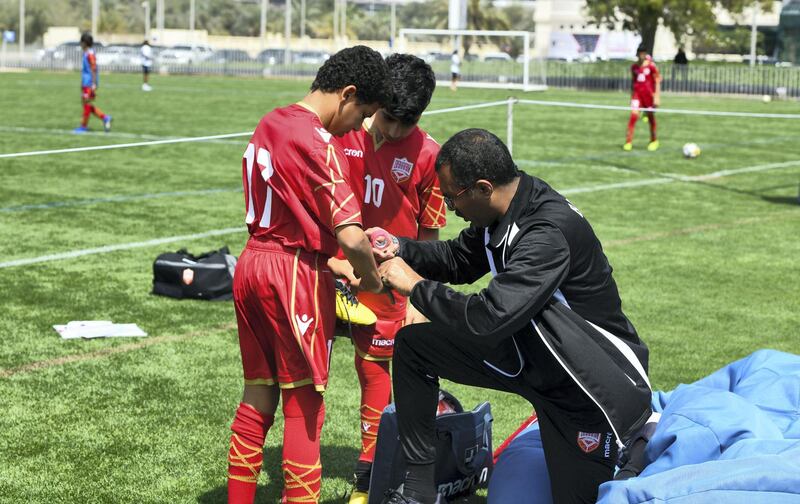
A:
(254, 417)
(629, 134)
(653, 145)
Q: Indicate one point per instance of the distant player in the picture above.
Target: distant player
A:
(392, 165)
(300, 211)
(147, 62)
(645, 93)
(455, 69)
(89, 84)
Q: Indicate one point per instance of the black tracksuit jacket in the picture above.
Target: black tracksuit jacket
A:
(551, 285)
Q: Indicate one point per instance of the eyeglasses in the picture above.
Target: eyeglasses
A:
(451, 202)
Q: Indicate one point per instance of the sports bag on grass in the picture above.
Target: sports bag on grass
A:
(463, 452)
(183, 275)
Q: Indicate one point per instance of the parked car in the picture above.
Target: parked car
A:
(117, 55)
(272, 56)
(310, 57)
(229, 56)
(65, 51)
(184, 55)
(499, 56)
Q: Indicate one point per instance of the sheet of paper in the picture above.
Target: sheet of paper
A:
(97, 329)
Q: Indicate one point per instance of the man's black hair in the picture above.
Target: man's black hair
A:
(641, 49)
(413, 82)
(358, 66)
(475, 154)
(87, 39)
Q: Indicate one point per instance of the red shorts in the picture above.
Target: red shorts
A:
(286, 313)
(641, 100)
(87, 93)
(376, 342)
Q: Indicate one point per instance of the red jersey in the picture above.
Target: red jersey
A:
(644, 77)
(295, 182)
(398, 189)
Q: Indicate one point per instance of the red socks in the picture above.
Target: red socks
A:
(376, 393)
(304, 413)
(631, 125)
(89, 109)
(652, 118)
(246, 453)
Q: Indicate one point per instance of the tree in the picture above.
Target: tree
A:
(682, 17)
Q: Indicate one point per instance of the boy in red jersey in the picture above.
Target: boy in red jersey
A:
(300, 211)
(392, 171)
(645, 93)
(89, 83)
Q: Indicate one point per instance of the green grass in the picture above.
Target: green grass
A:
(707, 269)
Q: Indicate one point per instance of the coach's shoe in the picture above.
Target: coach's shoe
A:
(80, 129)
(632, 460)
(147, 87)
(397, 497)
(653, 146)
(349, 310)
(628, 146)
(107, 123)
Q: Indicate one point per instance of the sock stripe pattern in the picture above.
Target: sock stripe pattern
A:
(245, 453)
(301, 478)
(244, 456)
(370, 418)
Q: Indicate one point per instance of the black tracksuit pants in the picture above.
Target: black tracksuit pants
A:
(579, 445)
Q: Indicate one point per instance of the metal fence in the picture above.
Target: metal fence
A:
(694, 78)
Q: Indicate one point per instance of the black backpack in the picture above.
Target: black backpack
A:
(463, 452)
(182, 275)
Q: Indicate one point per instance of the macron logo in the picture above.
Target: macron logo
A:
(324, 134)
(303, 322)
(365, 426)
(354, 153)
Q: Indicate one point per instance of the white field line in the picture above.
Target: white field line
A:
(117, 199)
(99, 134)
(547, 103)
(122, 246)
(217, 232)
(668, 178)
(122, 146)
(204, 138)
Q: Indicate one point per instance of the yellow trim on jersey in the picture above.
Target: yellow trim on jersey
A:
(309, 108)
(261, 381)
(295, 328)
(371, 358)
(341, 205)
(316, 302)
(347, 220)
(302, 383)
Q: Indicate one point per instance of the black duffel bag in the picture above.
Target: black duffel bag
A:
(182, 275)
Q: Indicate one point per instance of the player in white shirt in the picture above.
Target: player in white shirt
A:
(147, 62)
(455, 69)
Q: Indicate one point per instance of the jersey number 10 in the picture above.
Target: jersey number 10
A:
(373, 190)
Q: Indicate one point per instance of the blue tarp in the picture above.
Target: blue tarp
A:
(732, 437)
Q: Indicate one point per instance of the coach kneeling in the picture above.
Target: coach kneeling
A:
(549, 326)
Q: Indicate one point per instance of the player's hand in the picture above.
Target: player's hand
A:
(657, 100)
(94, 87)
(341, 268)
(413, 316)
(384, 244)
(398, 275)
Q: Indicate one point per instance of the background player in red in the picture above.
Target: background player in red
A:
(645, 93)
(300, 211)
(392, 166)
(89, 83)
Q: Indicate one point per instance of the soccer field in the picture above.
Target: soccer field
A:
(706, 253)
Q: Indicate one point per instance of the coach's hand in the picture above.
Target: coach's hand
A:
(398, 275)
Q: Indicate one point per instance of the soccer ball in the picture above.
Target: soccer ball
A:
(691, 150)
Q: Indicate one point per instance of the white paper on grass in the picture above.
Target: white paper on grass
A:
(97, 329)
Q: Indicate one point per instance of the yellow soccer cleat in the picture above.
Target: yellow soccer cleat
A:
(653, 146)
(349, 310)
(627, 147)
(358, 498)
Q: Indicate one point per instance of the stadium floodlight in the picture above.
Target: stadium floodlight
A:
(491, 66)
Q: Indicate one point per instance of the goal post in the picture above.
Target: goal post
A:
(497, 58)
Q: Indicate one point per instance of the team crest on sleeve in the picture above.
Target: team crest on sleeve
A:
(401, 169)
(588, 441)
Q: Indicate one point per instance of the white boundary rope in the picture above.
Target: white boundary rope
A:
(664, 179)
